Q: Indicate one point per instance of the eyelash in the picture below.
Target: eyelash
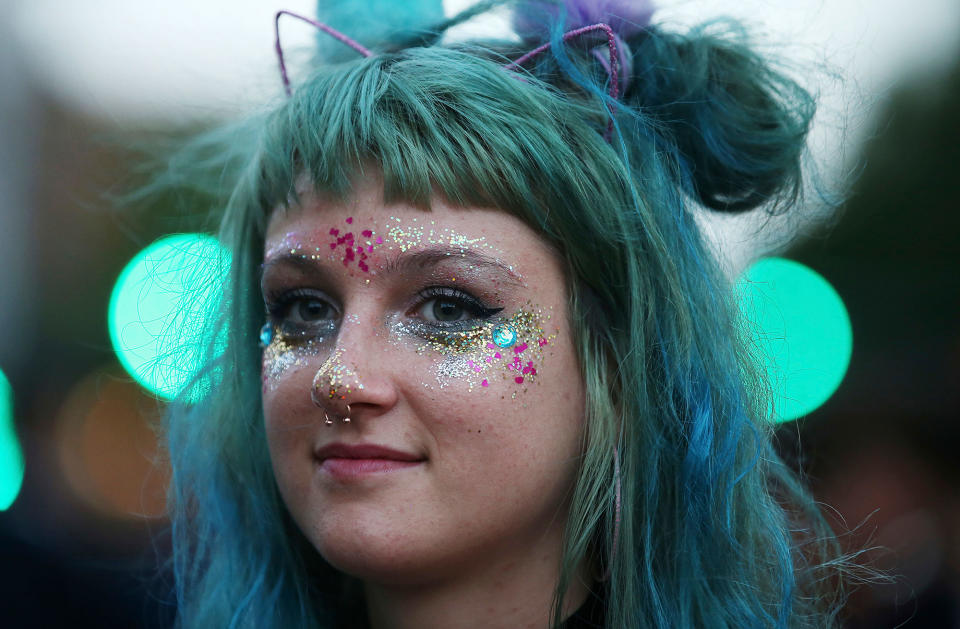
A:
(471, 304)
(278, 308)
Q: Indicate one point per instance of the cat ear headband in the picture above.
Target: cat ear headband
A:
(616, 63)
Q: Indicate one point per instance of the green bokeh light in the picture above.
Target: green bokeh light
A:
(11, 456)
(160, 309)
(802, 330)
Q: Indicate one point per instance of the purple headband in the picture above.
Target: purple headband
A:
(616, 63)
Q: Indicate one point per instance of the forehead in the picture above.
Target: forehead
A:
(363, 228)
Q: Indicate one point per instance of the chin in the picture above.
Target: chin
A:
(372, 552)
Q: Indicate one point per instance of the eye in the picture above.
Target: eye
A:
(442, 305)
(299, 312)
(445, 310)
(307, 309)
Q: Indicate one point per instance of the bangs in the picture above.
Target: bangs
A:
(436, 122)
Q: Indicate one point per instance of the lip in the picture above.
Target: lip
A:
(346, 461)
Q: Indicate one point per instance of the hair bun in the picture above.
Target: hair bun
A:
(532, 20)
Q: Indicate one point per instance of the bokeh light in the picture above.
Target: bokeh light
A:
(108, 446)
(802, 331)
(11, 456)
(160, 309)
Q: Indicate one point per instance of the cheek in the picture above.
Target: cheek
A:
(528, 414)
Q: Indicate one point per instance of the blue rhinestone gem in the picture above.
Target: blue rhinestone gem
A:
(504, 336)
(266, 334)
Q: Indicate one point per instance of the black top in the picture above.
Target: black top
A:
(589, 615)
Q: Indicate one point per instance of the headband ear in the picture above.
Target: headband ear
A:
(332, 32)
(612, 68)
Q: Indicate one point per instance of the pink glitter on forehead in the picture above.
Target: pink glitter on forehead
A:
(353, 251)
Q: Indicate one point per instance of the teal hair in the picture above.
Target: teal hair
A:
(714, 530)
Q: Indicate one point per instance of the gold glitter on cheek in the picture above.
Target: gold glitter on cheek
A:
(281, 356)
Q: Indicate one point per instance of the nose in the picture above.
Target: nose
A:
(352, 383)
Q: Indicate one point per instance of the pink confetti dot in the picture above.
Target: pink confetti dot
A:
(349, 220)
(491, 346)
(498, 355)
(379, 240)
(333, 245)
(489, 359)
(518, 379)
(484, 383)
(367, 233)
(370, 249)
(541, 342)
(348, 236)
(519, 348)
(334, 231)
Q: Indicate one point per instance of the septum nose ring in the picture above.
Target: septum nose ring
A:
(329, 422)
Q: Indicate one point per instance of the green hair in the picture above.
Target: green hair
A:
(713, 529)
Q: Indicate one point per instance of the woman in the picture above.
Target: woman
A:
(500, 382)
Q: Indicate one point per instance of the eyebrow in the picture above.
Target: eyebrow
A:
(407, 260)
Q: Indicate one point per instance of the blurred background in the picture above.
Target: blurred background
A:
(82, 533)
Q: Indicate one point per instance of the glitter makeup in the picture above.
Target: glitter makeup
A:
(352, 248)
(334, 380)
(486, 351)
(470, 356)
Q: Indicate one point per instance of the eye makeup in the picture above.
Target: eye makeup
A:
(472, 342)
(474, 356)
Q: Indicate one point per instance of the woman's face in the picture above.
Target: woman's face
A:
(443, 336)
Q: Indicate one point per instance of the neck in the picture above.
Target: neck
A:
(505, 593)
